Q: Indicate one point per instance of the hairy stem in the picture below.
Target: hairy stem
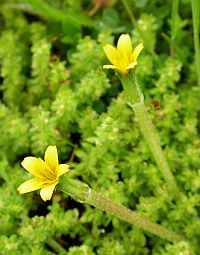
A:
(152, 139)
(148, 130)
(81, 192)
(132, 217)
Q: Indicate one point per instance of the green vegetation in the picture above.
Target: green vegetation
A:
(54, 91)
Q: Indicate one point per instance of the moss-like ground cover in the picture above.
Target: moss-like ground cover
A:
(54, 91)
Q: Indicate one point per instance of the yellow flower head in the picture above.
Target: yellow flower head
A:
(46, 173)
(123, 58)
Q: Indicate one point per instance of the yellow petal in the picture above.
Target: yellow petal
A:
(132, 65)
(30, 185)
(111, 53)
(45, 169)
(124, 45)
(51, 157)
(47, 191)
(137, 51)
(118, 69)
(31, 165)
(62, 169)
(38, 167)
(110, 67)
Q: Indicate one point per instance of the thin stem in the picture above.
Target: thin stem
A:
(48, 11)
(196, 17)
(56, 246)
(174, 25)
(81, 192)
(132, 217)
(175, 47)
(132, 18)
(134, 22)
(149, 132)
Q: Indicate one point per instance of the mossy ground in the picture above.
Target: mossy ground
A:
(54, 92)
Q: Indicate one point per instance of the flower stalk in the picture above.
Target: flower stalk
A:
(81, 192)
(78, 190)
(124, 60)
(136, 100)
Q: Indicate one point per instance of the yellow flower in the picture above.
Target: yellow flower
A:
(123, 58)
(46, 173)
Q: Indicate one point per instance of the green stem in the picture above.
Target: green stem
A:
(132, 18)
(134, 22)
(55, 246)
(174, 24)
(81, 192)
(196, 17)
(152, 139)
(135, 99)
(132, 217)
(175, 47)
(50, 12)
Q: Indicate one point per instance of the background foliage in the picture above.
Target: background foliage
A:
(53, 91)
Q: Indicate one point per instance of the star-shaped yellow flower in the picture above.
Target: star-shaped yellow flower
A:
(46, 173)
(123, 58)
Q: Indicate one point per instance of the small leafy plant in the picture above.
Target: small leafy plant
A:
(130, 137)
